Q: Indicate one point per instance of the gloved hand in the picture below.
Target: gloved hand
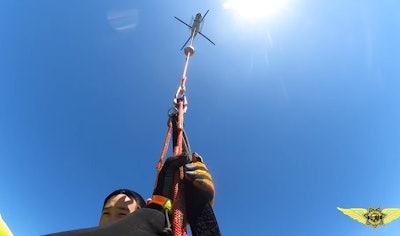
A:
(197, 173)
(199, 191)
(198, 184)
(163, 191)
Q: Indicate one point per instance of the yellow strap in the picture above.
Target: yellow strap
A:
(162, 201)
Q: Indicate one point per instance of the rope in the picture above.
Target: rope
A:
(179, 228)
(165, 147)
(180, 145)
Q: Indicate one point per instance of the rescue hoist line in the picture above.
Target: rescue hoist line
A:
(180, 145)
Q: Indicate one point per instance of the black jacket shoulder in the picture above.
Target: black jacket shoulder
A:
(142, 222)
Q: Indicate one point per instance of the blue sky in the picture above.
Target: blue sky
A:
(295, 113)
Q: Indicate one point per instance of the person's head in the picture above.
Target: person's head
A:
(120, 203)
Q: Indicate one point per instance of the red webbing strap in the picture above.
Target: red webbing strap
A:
(175, 126)
(165, 147)
(178, 224)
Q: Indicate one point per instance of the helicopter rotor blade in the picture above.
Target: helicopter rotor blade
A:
(183, 22)
(206, 37)
(204, 16)
(185, 43)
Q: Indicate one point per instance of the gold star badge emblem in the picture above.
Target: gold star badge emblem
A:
(372, 216)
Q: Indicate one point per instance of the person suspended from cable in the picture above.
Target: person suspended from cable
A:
(154, 219)
(119, 204)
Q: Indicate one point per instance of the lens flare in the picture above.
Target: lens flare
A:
(254, 9)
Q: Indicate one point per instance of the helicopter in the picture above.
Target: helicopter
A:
(195, 27)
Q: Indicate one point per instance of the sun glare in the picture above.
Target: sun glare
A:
(254, 9)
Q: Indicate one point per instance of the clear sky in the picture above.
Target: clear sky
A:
(295, 110)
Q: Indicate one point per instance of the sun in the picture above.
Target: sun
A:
(254, 9)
